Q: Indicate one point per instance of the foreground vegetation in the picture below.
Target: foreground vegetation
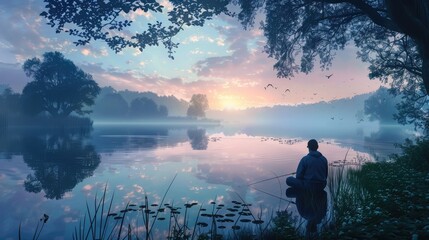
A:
(375, 201)
(384, 199)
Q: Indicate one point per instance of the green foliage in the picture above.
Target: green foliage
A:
(146, 108)
(393, 204)
(59, 87)
(415, 154)
(379, 200)
(111, 105)
(381, 106)
(101, 20)
(284, 227)
(10, 107)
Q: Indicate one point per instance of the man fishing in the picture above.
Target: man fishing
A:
(312, 170)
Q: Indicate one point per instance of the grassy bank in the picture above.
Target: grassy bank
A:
(384, 199)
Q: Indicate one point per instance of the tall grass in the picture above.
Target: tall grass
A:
(38, 229)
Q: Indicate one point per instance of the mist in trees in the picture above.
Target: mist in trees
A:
(381, 106)
(114, 107)
(146, 108)
(198, 106)
(111, 106)
(10, 107)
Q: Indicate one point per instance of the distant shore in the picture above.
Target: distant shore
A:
(182, 121)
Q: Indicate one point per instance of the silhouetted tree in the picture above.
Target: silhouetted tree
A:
(162, 111)
(174, 105)
(381, 106)
(111, 105)
(143, 108)
(59, 87)
(10, 106)
(391, 35)
(198, 106)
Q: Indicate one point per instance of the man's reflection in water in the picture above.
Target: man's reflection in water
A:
(312, 206)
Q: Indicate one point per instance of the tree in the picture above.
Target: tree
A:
(111, 105)
(381, 106)
(198, 106)
(391, 35)
(143, 108)
(10, 104)
(59, 87)
(162, 111)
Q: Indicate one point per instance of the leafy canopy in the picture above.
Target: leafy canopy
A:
(59, 87)
(391, 35)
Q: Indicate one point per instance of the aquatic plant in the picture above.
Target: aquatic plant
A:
(38, 230)
(211, 222)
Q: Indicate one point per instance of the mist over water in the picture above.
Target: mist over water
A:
(57, 172)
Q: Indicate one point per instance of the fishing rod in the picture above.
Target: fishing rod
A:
(268, 179)
(272, 195)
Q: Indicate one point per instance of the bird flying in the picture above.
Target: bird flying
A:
(270, 85)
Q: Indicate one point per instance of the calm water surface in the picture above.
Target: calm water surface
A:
(55, 173)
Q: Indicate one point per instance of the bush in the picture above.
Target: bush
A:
(415, 154)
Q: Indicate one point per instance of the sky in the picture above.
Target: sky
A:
(220, 60)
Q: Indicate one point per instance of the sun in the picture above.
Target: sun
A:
(229, 102)
(230, 105)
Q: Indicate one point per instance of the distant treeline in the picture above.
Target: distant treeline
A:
(112, 104)
(13, 113)
(108, 105)
(376, 106)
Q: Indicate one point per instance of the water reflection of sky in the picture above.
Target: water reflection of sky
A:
(134, 165)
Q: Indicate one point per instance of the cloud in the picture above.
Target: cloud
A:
(13, 76)
(247, 69)
(236, 79)
(131, 79)
(22, 30)
(90, 50)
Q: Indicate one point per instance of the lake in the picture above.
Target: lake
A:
(57, 172)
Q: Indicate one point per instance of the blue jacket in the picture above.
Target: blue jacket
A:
(313, 168)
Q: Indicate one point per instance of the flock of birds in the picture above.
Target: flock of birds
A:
(270, 85)
(288, 90)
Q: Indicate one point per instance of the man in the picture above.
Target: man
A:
(312, 170)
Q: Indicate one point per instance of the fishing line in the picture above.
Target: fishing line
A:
(272, 195)
(268, 179)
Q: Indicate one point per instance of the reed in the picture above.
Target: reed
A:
(38, 230)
